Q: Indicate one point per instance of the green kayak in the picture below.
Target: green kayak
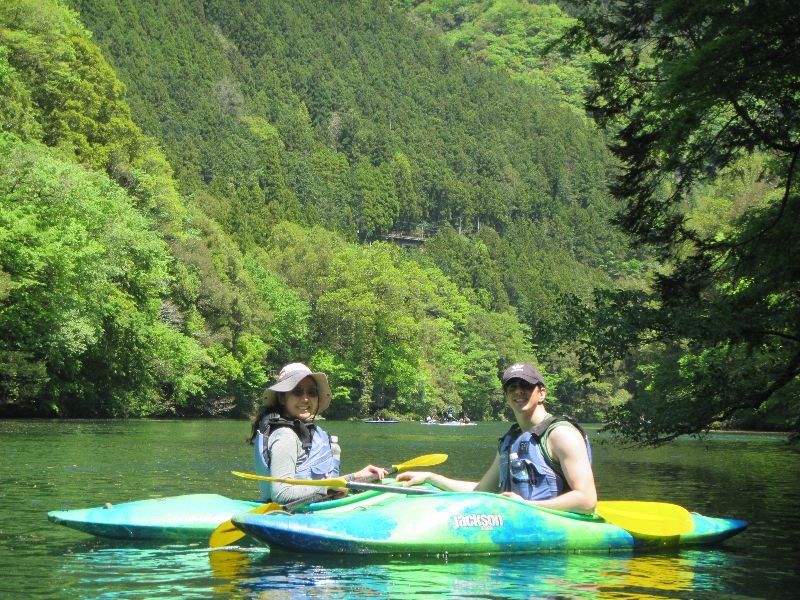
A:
(190, 517)
(462, 523)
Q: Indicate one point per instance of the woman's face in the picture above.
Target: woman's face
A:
(302, 402)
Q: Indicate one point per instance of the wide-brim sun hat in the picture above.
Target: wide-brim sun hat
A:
(291, 375)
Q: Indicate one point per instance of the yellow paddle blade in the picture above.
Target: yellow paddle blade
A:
(646, 518)
(427, 460)
(227, 533)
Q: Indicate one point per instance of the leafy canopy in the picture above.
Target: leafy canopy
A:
(697, 94)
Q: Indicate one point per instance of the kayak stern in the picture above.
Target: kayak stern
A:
(191, 517)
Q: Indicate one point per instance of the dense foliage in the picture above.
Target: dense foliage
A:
(120, 298)
(704, 99)
(515, 36)
(168, 243)
(274, 119)
(346, 115)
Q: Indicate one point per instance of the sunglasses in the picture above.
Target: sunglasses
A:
(311, 392)
(519, 385)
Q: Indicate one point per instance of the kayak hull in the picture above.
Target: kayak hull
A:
(190, 517)
(176, 518)
(462, 523)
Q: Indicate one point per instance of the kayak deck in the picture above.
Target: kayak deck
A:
(462, 523)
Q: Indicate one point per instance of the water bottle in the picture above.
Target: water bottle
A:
(520, 474)
(336, 452)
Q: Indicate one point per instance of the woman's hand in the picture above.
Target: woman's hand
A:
(370, 470)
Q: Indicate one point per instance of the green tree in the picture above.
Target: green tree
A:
(692, 91)
(289, 327)
(80, 101)
(17, 112)
(378, 205)
(468, 263)
(80, 319)
(408, 199)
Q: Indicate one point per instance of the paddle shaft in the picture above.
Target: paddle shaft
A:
(358, 485)
(427, 460)
(294, 504)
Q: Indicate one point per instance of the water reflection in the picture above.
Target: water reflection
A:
(182, 571)
(137, 571)
(680, 575)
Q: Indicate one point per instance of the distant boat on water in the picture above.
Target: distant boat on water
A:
(380, 421)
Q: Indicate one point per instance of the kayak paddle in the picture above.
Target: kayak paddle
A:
(227, 533)
(396, 489)
(343, 483)
(646, 518)
(427, 460)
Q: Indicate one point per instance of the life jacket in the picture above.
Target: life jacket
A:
(525, 466)
(320, 463)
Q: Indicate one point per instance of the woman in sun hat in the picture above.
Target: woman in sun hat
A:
(287, 442)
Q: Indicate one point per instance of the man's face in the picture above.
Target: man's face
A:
(522, 396)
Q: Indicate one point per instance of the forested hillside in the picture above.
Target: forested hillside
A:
(200, 313)
(370, 123)
(516, 37)
(194, 193)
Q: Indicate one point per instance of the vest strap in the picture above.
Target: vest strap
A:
(304, 431)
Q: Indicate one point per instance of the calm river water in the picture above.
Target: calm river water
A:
(49, 465)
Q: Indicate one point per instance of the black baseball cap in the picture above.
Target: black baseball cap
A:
(523, 371)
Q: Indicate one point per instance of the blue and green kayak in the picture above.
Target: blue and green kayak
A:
(462, 523)
(190, 517)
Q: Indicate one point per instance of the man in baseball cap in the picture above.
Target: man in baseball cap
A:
(542, 459)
